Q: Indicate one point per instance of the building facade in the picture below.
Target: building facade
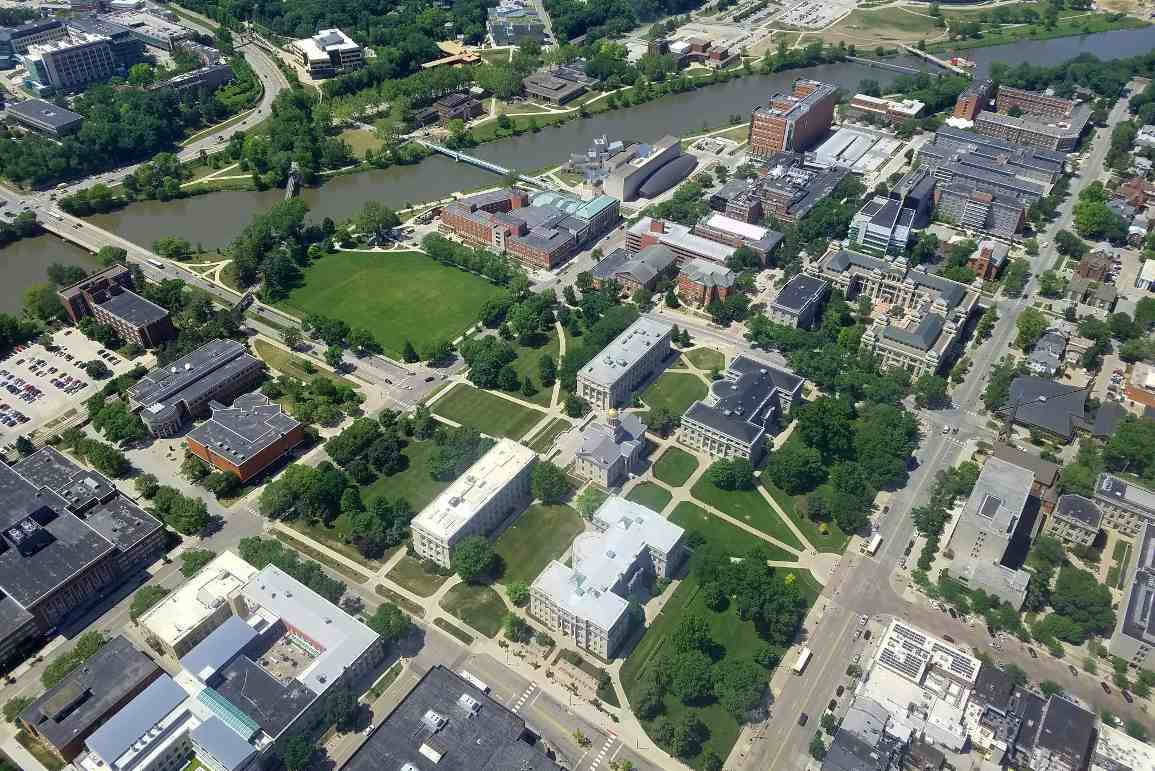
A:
(700, 282)
(1126, 506)
(1074, 521)
(70, 64)
(799, 302)
(1134, 635)
(612, 450)
(610, 379)
(477, 503)
(108, 296)
(330, 52)
(793, 121)
(246, 438)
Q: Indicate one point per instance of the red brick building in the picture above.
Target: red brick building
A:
(702, 281)
(246, 438)
(988, 259)
(971, 101)
(1033, 103)
(107, 296)
(793, 121)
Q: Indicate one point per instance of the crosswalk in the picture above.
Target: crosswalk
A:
(525, 695)
(597, 761)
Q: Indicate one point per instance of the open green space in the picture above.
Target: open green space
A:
(487, 413)
(414, 483)
(732, 540)
(361, 140)
(397, 296)
(1117, 573)
(316, 555)
(527, 365)
(406, 604)
(675, 466)
(707, 358)
(746, 506)
(650, 495)
(336, 535)
(384, 682)
(675, 391)
(542, 533)
(832, 540)
(410, 574)
(479, 606)
(1070, 23)
(454, 631)
(286, 363)
(544, 439)
(42, 753)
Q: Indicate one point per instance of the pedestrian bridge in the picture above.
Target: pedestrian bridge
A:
(480, 163)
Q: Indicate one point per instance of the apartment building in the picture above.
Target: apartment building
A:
(740, 410)
(107, 296)
(976, 96)
(586, 603)
(612, 450)
(1075, 521)
(794, 121)
(1134, 635)
(330, 52)
(169, 396)
(992, 518)
(1061, 134)
(609, 380)
(799, 302)
(477, 502)
(69, 64)
(1126, 506)
(1040, 103)
(965, 203)
(700, 282)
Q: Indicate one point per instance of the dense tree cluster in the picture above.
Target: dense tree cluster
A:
(497, 268)
(600, 332)
(949, 485)
(260, 552)
(321, 400)
(195, 317)
(1105, 78)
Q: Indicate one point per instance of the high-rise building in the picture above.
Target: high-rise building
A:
(330, 52)
(793, 121)
(67, 65)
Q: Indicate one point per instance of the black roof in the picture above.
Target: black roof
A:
(1068, 730)
(132, 308)
(451, 717)
(79, 704)
(44, 113)
(993, 686)
(1107, 418)
(921, 337)
(268, 701)
(1043, 403)
(799, 291)
(746, 399)
(1079, 508)
(193, 375)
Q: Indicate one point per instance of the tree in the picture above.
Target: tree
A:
(291, 337)
(817, 747)
(1031, 325)
(518, 592)
(517, 630)
(192, 560)
(575, 406)
(297, 752)
(97, 369)
(731, 474)
(796, 468)
(474, 560)
(409, 353)
(549, 482)
(930, 391)
(691, 677)
(1050, 688)
(547, 370)
(739, 685)
(14, 707)
(390, 622)
(85, 648)
(334, 356)
(589, 500)
(145, 598)
(376, 219)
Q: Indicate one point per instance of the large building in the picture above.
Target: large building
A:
(150, 28)
(641, 270)
(247, 437)
(748, 401)
(17, 40)
(612, 450)
(559, 84)
(611, 377)
(700, 282)
(738, 233)
(1075, 521)
(45, 117)
(68, 713)
(107, 296)
(635, 165)
(127, 48)
(679, 239)
(188, 614)
(787, 189)
(1061, 134)
(976, 96)
(150, 733)
(967, 204)
(994, 516)
(476, 503)
(68, 538)
(449, 724)
(886, 223)
(330, 52)
(512, 21)
(1134, 636)
(169, 395)
(884, 110)
(1126, 506)
(587, 602)
(794, 121)
(1117, 751)
(920, 316)
(799, 302)
(973, 149)
(69, 64)
(1046, 486)
(1066, 737)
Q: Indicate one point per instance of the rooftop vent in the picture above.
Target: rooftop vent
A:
(433, 721)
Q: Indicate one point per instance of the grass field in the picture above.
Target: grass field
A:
(706, 358)
(487, 413)
(544, 439)
(892, 25)
(725, 536)
(479, 606)
(675, 466)
(400, 601)
(414, 483)
(397, 296)
(361, 140)
(1117, 573)
(409, 573)
(650, 495)
(747, 506)
(542, 533)
(384, 682)
(453, 631)
(333, 535)
(527, 364)
(288, 364)
(833, 540)
(306, 550)
(675, 391)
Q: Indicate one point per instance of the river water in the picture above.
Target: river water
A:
(213, 220)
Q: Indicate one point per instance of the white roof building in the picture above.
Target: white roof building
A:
(319, 47)
(1116, 751)
(184, 611)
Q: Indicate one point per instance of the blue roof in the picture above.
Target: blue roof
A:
(112, 739)
(216, 650)
(217, 739)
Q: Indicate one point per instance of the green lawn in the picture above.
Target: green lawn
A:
(487, 413)
(288, 364)
(834, 539)
(479, 606)
(675, 391)
(747, 506)
(706, 358)
(650, 495)
(527, 364)
(401, 601)
(409, 573)
(455, 631)
(544, 439)
(414, 483)
(334, 536)
(675, 466)
(40, 751)
(542, 533)
(730, 539)
(397, 296)
(316, 555)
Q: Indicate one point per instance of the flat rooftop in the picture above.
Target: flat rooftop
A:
(460, 502)
(195, 600)
(191, 376)
(624, 351)
(800, 291)
(678, 236)
(131, 307)
(44, 113)
(1127, 494)
(248, 427)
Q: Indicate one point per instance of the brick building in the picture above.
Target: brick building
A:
(885, 110)
(974, 98)
(988, 259)
(1094, 266)
(793, 121)
(737, 233)
(1033, 102)
(245, 438)
(701, 282)
(107, 296)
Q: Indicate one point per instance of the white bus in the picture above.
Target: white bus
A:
(156, 264)
(875, 542)
(803, 660)
(473, 680)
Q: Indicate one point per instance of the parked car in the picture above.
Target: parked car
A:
(840, 691)
(802, 718)
(832, 705)
(1105, 688)
(1074, 671)
(1127, 696)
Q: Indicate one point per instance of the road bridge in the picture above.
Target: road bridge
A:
(480, 163)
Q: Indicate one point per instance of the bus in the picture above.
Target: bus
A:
(875, 542)
(803, 660)
(473, 680)
(156, 264)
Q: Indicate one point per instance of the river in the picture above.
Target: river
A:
(213, 220)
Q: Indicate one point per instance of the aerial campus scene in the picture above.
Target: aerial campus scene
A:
(577, 384)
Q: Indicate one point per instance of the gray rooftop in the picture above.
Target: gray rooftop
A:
(445, 717)
(1046, 472)
(132, 308)
(1068, 730)
(642, 267)
(708, 274)
(273, 704)
(1126, 495)
(604, 446)
(746, 400)
(1079, 509)
(922, 337)
(226, 746)
(624, 351)
(44, 113)
(799, 292)
(246, 428)
(136, 719)
(79, 703)
(1046, 404)
(209, 655)
(1137, 611)
(190, 377)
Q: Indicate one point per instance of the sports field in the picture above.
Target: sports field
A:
(397, 296)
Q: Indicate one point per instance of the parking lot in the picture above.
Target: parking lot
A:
(43, 388)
